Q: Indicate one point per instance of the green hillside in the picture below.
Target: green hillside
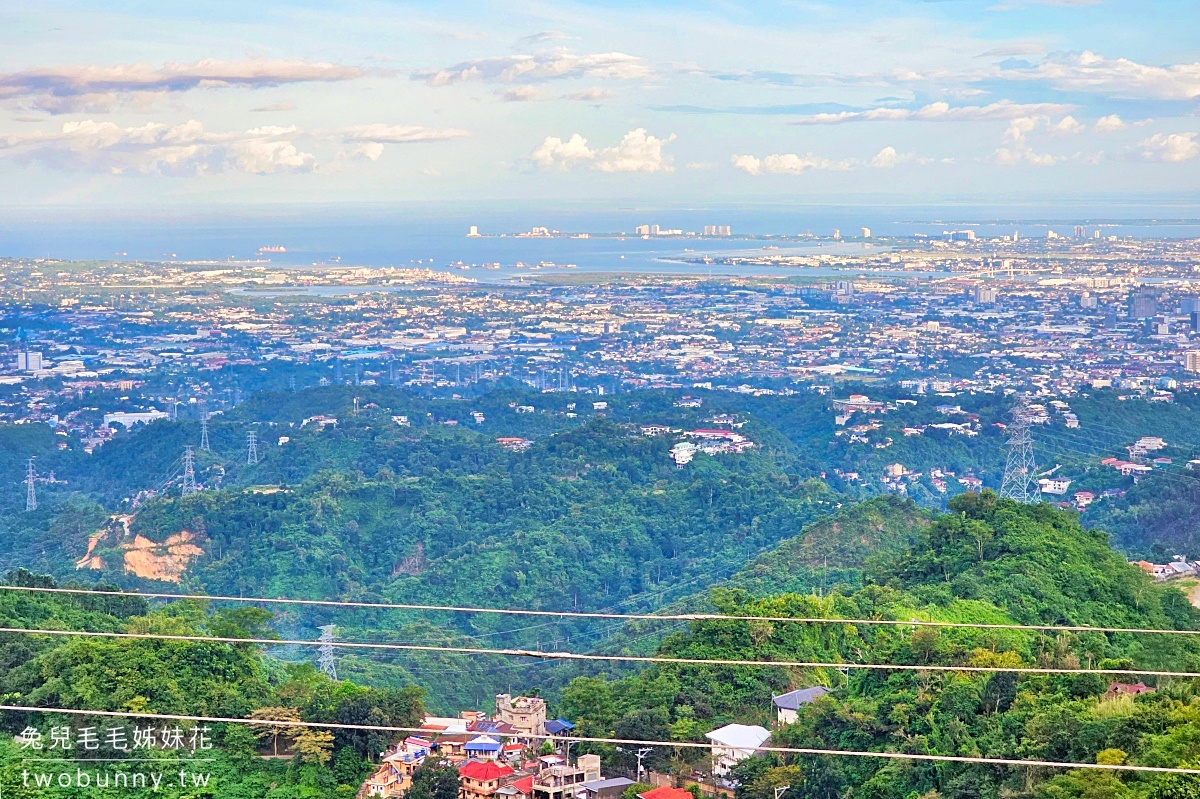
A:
(986, 561)
(178, 677)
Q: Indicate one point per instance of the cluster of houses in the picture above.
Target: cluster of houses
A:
(1179, 567)
(496, 755)
(710, 441)
(897, 477)
(1140, 461)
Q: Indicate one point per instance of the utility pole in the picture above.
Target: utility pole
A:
(645, 750)
(325, 656)
(251, 448)
(189, 473)
(30, 491)
(1020, 471)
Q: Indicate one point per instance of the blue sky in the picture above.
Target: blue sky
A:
(140, 104)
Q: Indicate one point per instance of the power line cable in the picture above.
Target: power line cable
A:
(558, 655)
(785, 750)
(609, 615)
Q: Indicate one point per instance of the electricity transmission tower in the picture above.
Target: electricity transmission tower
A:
(325, 656)
(189, 473)
(252, 448)
(30, 492)
(1020, 471)
(204, 446)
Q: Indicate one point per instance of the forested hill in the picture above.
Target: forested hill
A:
(509, 498)
(986, 561)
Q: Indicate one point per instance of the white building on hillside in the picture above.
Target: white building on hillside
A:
(734, 743)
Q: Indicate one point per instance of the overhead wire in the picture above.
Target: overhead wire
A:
(568, 614)
(997, 761)
(558, 655)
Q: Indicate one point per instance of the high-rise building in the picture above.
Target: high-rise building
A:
(473, 232)
(1191, 361)
(642, 230)
(983, 295)
(1189, 305)
(1080, 233)
(654, 230)
(837, 234)
(1143, 305)
(1195, 321)
(30, 362)
(1087, 300)
(866, 233)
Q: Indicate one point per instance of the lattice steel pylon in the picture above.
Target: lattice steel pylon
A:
(325, 657)
(30, 487)
(189, 473)
(251, 448)
(1020, 470)
(204, 445)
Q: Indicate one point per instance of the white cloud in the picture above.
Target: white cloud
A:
(888, 158)
(189, 148)
(636, 152)
(1016, 148)
(1172, 148)
(1117, 77)
(1067, 126)
(371, 150)
(554, 152)
(520, 94)
(157, 148)
(100, 88)
(1011, 50)
(786, 164)
(1003, 109)
(1011, 156)
(592, 95)
(544, 36)
(1109, 124)
(1019, 128)
(399, 134)
(285, 106)
(540, 67)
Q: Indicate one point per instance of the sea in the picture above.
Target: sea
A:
(436, 238)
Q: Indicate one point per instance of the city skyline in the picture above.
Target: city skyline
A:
(597, 103)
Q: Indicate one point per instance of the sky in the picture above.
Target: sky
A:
(142, 105)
